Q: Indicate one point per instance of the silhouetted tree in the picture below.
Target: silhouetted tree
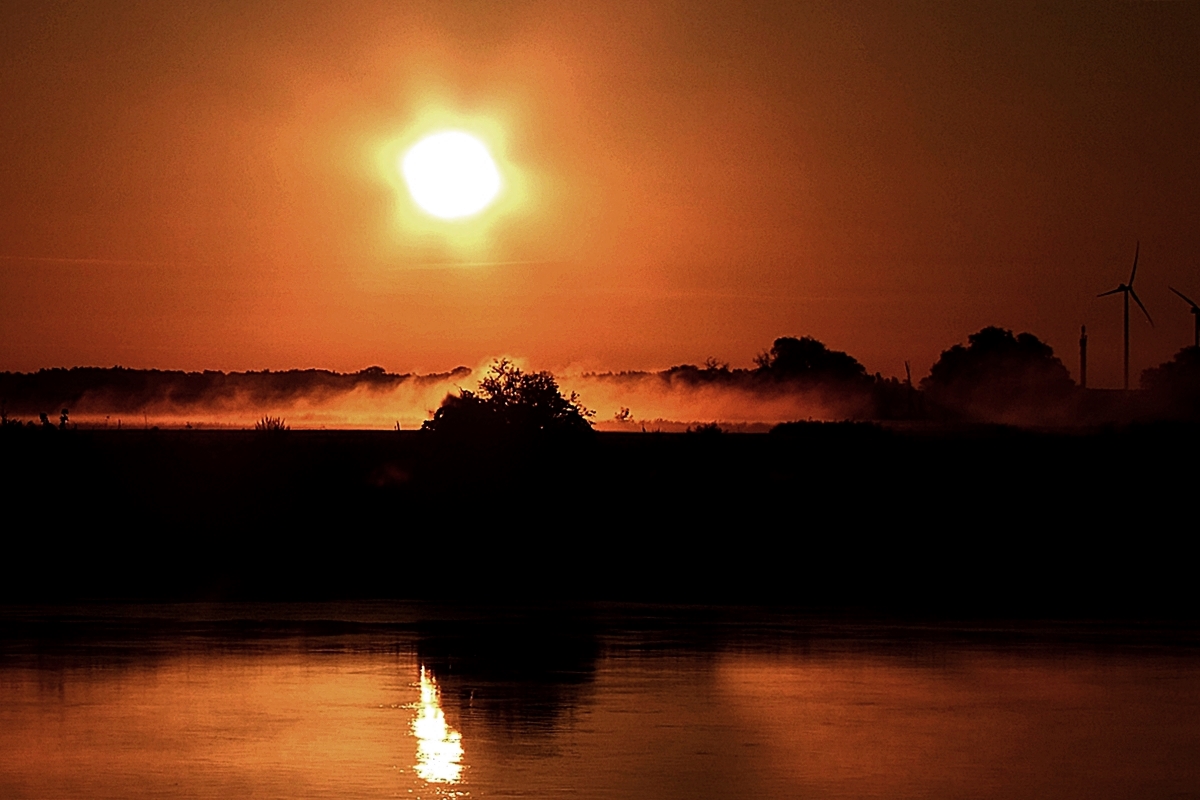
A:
(713, 372)
(1177, 383)
(808, 359)
(511, 401)
(998, 374)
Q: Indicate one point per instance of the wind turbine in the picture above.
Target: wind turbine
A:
(1127, 290)
(1195, 313)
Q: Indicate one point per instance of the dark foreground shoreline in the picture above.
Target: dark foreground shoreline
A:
(948, 522)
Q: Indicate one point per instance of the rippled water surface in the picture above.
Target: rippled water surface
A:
(353, 702)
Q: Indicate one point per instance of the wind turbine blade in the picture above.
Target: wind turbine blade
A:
(1142, 307)
(1112, 291)
(1186, 299)
(1137, 249)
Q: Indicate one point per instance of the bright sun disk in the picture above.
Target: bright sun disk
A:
(451, 174)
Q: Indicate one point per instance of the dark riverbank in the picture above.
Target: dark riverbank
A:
(950, 522)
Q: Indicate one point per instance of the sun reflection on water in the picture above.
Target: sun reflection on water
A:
(439, 747)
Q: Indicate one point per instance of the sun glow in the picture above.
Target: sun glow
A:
(439, 747)
(462, 194)
(451, 175)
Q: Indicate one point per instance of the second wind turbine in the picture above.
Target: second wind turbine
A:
(1127, 290)
(1195, 314)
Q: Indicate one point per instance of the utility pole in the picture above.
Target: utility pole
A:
(1083, 356)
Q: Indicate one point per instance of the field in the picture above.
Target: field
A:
(938, 520)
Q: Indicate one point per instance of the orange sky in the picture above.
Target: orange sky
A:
(210, 187)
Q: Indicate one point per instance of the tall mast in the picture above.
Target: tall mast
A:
(1083, 356)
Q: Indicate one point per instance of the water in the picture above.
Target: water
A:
(417, 702)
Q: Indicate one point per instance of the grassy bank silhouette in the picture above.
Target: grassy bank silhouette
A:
(947, 520)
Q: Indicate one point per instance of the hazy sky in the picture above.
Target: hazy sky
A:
(214, 186)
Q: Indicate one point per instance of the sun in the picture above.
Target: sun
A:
(451, 175)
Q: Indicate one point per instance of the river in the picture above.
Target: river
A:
(421, 701)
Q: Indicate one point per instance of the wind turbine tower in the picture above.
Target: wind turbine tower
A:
(1127, 290)
(1195, 314)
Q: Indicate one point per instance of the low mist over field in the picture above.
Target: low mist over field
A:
(996, 377)
(373, 398)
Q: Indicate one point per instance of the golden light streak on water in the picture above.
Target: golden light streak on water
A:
(439, 747)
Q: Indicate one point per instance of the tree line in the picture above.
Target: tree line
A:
(996, 376)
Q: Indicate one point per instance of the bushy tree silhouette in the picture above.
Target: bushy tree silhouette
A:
(510, 401)
(808, 359)
(998, 373)
(1177, 383)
